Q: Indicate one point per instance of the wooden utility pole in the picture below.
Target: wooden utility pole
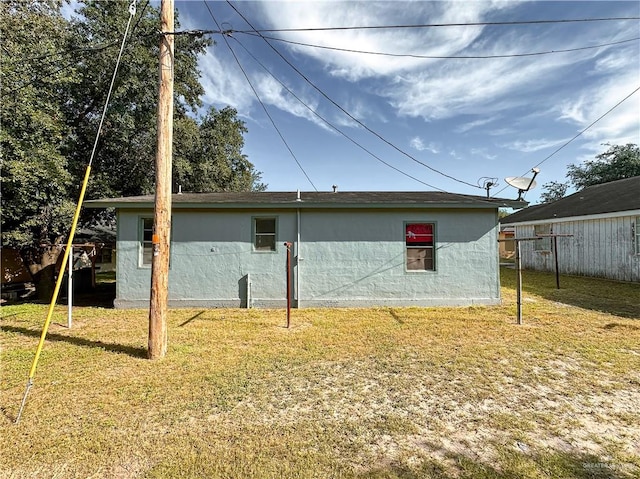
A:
(162, 210)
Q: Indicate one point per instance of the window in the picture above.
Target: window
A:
(636, 234)
(105, 255)
(419, 240)
(146, 245)
(264, 234)
(542, 244)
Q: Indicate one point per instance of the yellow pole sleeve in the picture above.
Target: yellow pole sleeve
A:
(65, 259)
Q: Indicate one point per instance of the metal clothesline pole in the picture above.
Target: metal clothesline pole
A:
(518, 265)
(70, 290)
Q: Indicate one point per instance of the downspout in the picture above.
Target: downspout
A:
(298, 258)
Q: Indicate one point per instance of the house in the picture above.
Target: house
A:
(604, 221)
(506, 248)
(348, 249)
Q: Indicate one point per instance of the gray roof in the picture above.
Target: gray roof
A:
(612, 197)
(341, 199)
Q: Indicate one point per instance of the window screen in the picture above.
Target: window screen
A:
(264, 234)
(542, 244)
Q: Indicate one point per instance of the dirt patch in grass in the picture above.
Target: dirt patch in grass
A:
(345, 393)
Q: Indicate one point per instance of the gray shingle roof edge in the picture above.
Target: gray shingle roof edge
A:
(612, 197)
(355, 199)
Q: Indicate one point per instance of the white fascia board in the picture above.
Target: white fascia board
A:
(566, 219)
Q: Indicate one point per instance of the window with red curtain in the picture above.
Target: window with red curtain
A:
(419, 240)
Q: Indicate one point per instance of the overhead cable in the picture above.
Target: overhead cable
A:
(327, 122)
(444, 57)
(373, 132)
(434, 25)
(581, 132)
(260, 101)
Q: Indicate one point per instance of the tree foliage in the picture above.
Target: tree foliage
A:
(54, 82)
(208, 154)
(553, 191)
(617, 163)
(35, 180)
(125, 158)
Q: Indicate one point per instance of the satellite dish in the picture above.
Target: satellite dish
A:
(522, 183)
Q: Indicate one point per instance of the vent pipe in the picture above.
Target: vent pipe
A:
(335, 188)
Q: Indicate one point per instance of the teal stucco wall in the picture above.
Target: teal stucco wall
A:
(345, 257)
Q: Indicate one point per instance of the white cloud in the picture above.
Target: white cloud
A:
(454, 154)
(418, 144)
(479, 87)
(529, 146)
(483, 153)
(473, 124)
(617, 60)
(271, 92)
(355, 66)
(224, 85)
(502, 131)
(492, 89)
(618, 125)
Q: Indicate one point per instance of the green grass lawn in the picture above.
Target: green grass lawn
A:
(344, 393)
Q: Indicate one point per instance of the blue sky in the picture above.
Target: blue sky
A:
(468, 118)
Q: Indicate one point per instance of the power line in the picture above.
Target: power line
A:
(260, 101)
(582, 131)
(330, 124)
(432, 25)
(349, 114)
(444, 57)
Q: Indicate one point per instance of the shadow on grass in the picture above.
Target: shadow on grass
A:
(102, 296)
(559, 465)
(195, 316)
(613, 297)
(132, 351)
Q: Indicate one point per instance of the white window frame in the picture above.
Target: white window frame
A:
(636, 235)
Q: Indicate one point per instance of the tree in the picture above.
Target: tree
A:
(554, 190)
(53, 89)
(124, 163)
(35, 182)
(618, 162)
(208, 154)
(503, 213)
